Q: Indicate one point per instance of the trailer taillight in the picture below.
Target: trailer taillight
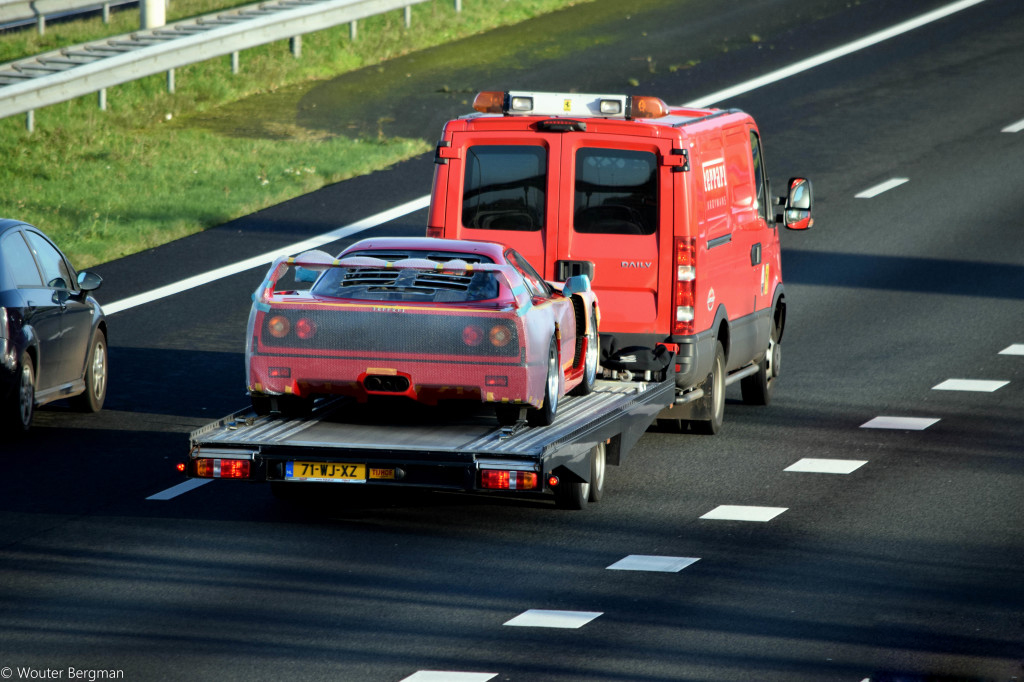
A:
(500, 479)
(684, 286)
(208, 467)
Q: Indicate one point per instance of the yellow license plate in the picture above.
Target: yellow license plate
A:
(330, 472)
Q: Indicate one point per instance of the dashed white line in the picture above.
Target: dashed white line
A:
(659, 564)
(180, 489)
(1014, 127)
(448, 676)
(900, 423)
(978, 385)
(872, 192)
(541, 618)
(1013, 349)
(730, 512)
(826, 466)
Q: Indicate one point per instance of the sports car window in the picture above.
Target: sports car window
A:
(18, 261)
(55, 270)
(616, 192)
(504, 187)
(534, 282)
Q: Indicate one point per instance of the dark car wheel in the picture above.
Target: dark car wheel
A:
(95, 377)
(546, 413)
(22, 404)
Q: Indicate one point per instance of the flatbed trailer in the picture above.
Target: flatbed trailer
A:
(458, 447)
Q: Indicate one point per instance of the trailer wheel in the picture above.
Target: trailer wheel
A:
(757, 388)
(546, 413)
(576, 494)
(714, 392)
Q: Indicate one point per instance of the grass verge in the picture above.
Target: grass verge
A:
(107, 184)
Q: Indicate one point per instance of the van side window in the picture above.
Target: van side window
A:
(504, 187)
(760, 185)
(616, 192)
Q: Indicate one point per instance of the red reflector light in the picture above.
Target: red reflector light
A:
(180, 466)
(499, 479)
(222, 468)
(495, 381)
(435, 232)
(280, 372)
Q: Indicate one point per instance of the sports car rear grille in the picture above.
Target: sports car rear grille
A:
(393, 331)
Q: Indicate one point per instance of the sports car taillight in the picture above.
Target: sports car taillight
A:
(305, 328)
(472, 335)
(683, 286)
(278, 326)
(500, 335)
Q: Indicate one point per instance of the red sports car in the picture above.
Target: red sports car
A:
(429, 319)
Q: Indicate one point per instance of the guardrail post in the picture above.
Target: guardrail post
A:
(408, 16)
(106, 13)
(234, 62)
(170, 81)
(30, 121)
(296, 44)
(352, 31)
(41, 24)
(103, 99)
(153, 13)
(458, 5)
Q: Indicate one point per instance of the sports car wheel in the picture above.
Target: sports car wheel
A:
(546, 414)
(95, 377)
(590, 360)
(714, 392)
(23, 403)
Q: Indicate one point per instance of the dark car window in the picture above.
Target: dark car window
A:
(55, 269)
(616, 192)
(18, 261)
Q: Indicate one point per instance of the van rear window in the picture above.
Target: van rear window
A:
(616, 192)
(504, 187)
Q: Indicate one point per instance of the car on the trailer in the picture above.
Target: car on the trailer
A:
(427, 319)
(53, 335)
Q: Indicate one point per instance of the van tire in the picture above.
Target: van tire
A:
(714, 395)
(758, 388)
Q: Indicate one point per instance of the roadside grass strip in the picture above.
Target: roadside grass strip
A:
(731, 512)
(976, 385)
(447, 676)
(1015, 349)
(900, 423)
(826, 466)
(658, 564)
(540, 618)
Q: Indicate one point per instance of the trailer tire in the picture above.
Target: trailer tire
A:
(575, 494)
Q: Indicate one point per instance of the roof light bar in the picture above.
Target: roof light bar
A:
(569, 104)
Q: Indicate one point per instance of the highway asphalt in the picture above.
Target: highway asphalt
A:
(887, 487)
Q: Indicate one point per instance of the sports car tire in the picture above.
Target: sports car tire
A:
(91, 400)
(22, 404)
(546, 413)
(591, 360)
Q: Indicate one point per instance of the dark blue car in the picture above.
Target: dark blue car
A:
(53, 336)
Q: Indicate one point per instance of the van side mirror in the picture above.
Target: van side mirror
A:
(797, 203)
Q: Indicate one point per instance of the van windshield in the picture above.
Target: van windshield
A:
(504, 187)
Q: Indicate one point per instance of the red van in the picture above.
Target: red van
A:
(667, 210)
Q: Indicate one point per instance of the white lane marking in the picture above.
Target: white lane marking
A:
(1014, 349)
(809, 465)
(180, 489)
(1014, 127)
(447, 676)
(979, 385)
(730, 512)
(872, 192)
(262, 259)
(836, 53)
(659, 564)
(900, 423)
(540, 618)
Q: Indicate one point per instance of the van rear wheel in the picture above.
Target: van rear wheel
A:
(714, 395)
(758, 387)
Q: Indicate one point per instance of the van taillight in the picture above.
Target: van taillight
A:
(684, 285)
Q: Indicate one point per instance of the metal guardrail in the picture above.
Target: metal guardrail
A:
(45, 79)
(25, 11)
